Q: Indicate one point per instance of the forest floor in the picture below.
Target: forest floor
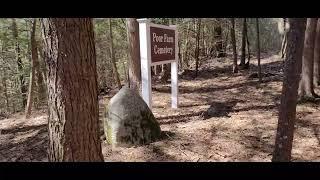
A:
(222, 117)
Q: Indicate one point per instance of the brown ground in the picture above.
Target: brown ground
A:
(222, 117)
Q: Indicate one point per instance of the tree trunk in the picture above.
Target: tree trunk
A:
(284, 46)
(247, 66)
(40, 84)
(34, 66)
(258, 50)
(113, 58)
(185, 54)
(196, 53)
(157, 69)
(126, 73)
(317, 56)
(243, 45)
(203, 51)
(179, 55)
(234, 46)
(306, 91)
(225, 44)
(19, 62)
(287, 110)
(72, 86)
(284, 40)
(5, 90)
(218, 39)
(165, 74)
(4, 81)
(43, 68)
(134, 53)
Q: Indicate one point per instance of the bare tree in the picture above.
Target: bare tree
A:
(258, 49)
(234, 46)
(186, 45)
(316, 80)
(34, 66)
(306, 89)
(284, 40)
(243, 45)
(113, 57)
(292, 71)
(196, 52)
(218, 39)
(247, 66)
(19, 62)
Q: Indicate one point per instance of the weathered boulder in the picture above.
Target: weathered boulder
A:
(129, 121)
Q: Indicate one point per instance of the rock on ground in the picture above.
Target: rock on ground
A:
(129, 121)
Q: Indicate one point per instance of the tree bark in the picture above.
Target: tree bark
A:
(218, 39)
(292, 71)
(316, 81)
(185, 54)
(203, 50)
(34, 66)
(247, 66)
(5, 90)
(4, 81)
(134, 53)
(43, 68)
(284, 40)
(196, 53)
(225, 44)
(72, 86)
(243, 45)
(258, 50)
(23, 88)
(306, 90)
(113, 57)
(234, 46)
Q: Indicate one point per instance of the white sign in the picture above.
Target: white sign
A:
(158, 45)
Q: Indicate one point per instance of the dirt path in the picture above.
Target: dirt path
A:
(222, 117)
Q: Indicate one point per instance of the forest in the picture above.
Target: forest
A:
(71, 90)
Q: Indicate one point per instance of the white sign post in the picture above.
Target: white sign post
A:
(159, 48)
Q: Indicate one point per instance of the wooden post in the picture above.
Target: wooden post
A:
(174, 74)
(144, 35)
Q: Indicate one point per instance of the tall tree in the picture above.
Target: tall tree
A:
(34, 66)
(134, 53)
(186, 47)
(218, 39)
(243, 41)
(5, 89)
(306, 90)
(41, 74)
(113, 57)
(19, 62)
(196, 53)
(4, 78)
(234, 46)
(73, 91)
(317, 56)
(292, 71)
(284, 40)
(258, 49)
(247, 66)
